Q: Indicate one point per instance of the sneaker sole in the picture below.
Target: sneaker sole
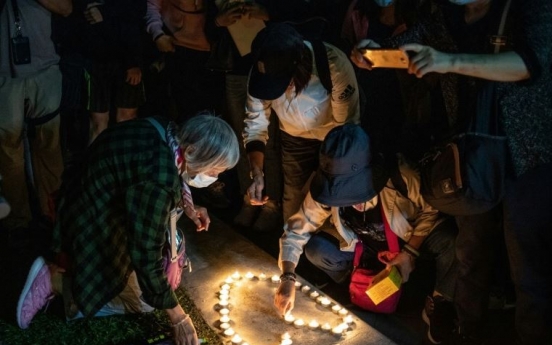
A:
(428, 323)
(33, 272)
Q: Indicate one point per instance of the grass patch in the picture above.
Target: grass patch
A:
(48, 329)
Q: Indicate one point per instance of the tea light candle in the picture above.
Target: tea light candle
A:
(305, 289)
(236, 275)
(225, 319)
(343, 312)
(224, 326)
(313, 324)
(223, 302)
(326, 327)
(229, 280)
(286, 342)
(314, 294)
(299, 323)
(224, 311)
(229, 332)
(224, 296)
(236, 339)
(338, 331)
(289, 318)
(336, 308)
(225, 287)
(298, 285)
(325, 302)
(275, 279)
(348, 319)
(286, 336)
(249, 275)
(262, 276)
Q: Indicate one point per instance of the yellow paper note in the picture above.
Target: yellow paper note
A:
(385, 283)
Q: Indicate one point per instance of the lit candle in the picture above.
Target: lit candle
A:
(249, 275)
(262, 276)
(297, 285)
(225, 319)
(348, 319)
(314, 294)
(223, 302)
(313, 324)
(286, 336)
(286, 342)
(236, 275)
(289, 318)
(343, 312)
(275, 279)
(236, 339)
(336, 308)
(224, 296)
(224, 326)
(305, 289)
(229, 332)
(229, 281)
(224, 311)
(299, 323)
(225, 287)
(326, 327)
(338, 331)
(325, 302)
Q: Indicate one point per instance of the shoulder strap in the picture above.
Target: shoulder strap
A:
(396, 177)
(162, 131)
(322, 64)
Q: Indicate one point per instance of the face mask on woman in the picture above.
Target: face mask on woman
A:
(199, 181)
(384, 3)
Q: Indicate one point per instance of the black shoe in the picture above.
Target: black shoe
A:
(439, 315)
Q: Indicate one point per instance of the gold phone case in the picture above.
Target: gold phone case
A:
(386, 58)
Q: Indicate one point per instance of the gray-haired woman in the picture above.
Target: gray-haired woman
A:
(113, 216)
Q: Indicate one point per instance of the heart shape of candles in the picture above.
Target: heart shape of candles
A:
(235, 279)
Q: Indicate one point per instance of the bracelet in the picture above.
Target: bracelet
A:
(288, 276)
(413, 252)
(181, 321)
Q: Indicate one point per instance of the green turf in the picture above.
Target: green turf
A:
(48, 329)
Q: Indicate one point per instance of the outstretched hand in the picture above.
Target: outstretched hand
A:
(427, 60)
(199, 216)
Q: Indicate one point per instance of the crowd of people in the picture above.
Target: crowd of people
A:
(115, 115)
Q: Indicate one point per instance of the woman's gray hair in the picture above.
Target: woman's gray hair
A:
(208, 142)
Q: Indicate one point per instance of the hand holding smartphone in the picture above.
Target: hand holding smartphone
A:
(385, 58)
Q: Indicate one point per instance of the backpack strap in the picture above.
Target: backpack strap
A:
(396, 177)
(162, 131)
(322, 64)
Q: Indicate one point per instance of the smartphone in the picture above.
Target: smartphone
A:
(386, 58)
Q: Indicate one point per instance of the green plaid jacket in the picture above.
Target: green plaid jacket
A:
(112, 216)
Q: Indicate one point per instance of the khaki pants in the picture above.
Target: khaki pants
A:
(31, 97)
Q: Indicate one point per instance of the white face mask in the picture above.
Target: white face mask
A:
(368, 205)
(199, 181)
(384, 3)
(462, 2)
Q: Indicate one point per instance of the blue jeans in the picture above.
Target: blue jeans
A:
(439, 244)
(528, 235)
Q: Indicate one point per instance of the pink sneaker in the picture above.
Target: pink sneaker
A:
(36, 293)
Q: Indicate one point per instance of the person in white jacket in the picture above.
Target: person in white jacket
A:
(348, 191)
(284, 79)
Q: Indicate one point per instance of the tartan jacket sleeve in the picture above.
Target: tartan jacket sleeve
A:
(148, 206)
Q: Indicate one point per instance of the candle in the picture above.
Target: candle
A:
(275, 279)
(314, 294)
(286, 336)
(229, 332)
(336, 308)
(224, 326)
(299, 323)
(343, 312)
(223, 302)
(338, 331)
(224, 311)
(286, 342)
(236, 275)
(262, 276)
(236, 339)
(229, 281)
(224, 296)
(249, 275)
(313, 324)
(348, 319)
(325, 302)
(289, 318)
(297, 285)
(305, 289)
(326, 327)
(225, 319)
(225, 287)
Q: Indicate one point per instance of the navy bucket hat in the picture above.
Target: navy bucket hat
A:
(344, 176)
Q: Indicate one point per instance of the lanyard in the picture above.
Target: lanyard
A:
(17, 22)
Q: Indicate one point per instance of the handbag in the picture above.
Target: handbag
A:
(466, 175)
(361, 278)
(175, 259)
(221, 58)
